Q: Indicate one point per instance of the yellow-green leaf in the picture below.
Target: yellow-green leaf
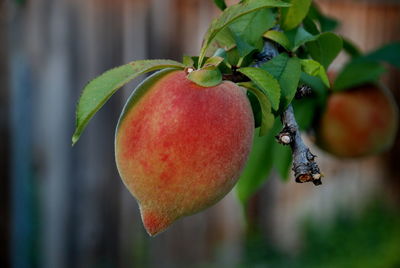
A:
(96, 93)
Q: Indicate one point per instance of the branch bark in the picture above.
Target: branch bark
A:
(304, 166)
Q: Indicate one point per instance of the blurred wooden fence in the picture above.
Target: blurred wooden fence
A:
(68, 207)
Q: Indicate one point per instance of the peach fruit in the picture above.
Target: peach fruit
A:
(358, 122)
(180, 147)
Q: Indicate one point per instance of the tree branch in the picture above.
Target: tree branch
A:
(304, 166)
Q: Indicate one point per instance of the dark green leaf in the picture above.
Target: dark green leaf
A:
(389, 53)
(299, 37)
(100, 89)
(278, 37)
(305, 110)
(294, 15)
(231, 14)
(310, 26)
(318, 88)
(325, 48)
(350, 48)
(258, 166)
(249, 28)
(256, 108)
(327, 23)
(357, 73)
(282, 160)
(314, 68)
(287, 71)
(220, 4)
(243, 47)
(265, 82)
(267, 118)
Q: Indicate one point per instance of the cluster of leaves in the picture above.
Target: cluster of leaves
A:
(306, 46)
(275, 45)
(278, 49)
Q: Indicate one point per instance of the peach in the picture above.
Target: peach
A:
(180, 147)
(358, 122)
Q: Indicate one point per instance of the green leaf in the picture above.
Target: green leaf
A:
(249, 28)
(256, 108)
(294, 15)
(282, 160)
(232, 13)
(278, 37)
(206, 77)
(389, 53)
(245, 48)
(188, 61)
(100, 89)
(265, 82)
(267, 118)
(220, 52)
(220, 4)
(350, 48)
(325, 48)
(327, 23)
(224, 39)
(258, 166)
(310, 26)
(305, 111)
(314, 68)
(299, 37)
(358, 73)
(287, 71)
(214, 61)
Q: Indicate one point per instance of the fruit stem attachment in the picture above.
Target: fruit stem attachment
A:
(304, 166)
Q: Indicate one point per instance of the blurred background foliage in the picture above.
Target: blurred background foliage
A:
(369, 238)
(66, 207)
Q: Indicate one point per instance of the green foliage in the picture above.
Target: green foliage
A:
(247, 31)
(389, 53)
(279, 38)
(206, 77)
(351, 49)
(231, 14)
(294, 15)
(257, 168)
(326, 23)
(282, 160)
(99, 90)
(220, 4)
(266, 155)
(287, 71)
(314, 68)
(265, 82)
(267, 118)
(325, 48)
(366, 68)
(368, 239)
(358, 73)
(308, 109)
(224, 39)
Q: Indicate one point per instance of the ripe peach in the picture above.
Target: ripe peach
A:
(358, 122)
(180, 147)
